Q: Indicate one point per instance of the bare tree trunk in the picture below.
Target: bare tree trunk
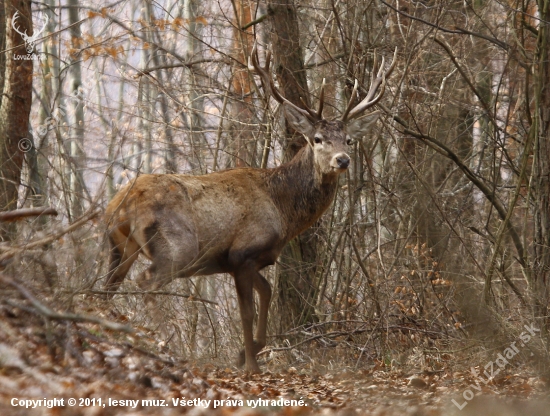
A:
(50, 83)
(541, 262)
(289, 63)
(3, 40)
(145, 93)
(196, 102)
(16, 103)
(299, 258)
(76, 117)
(36, 159)
(240, 108)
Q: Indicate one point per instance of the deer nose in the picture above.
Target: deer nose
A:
(343, 161)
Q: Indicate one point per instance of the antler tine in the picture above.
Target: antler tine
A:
(321, 101)
(269, 85)
(371, 98)
(350, 103)
(316, 115)
(368, 100)
(380, 78)
(375, 63)
(312, 114)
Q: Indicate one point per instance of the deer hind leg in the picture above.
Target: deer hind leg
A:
(124, 251)
(245, 281)
(165, 266)
(157, 275)
(167, 262)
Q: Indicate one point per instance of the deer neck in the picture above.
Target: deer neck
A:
(300, 192)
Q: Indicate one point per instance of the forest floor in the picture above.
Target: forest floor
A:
(93, 370)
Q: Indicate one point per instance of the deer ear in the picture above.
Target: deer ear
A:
(358, 128)
(298, 121)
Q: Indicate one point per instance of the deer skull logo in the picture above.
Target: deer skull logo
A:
(29, 40)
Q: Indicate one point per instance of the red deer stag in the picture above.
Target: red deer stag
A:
(236, 221)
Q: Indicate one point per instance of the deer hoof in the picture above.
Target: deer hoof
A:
(253, 367)
(241, 360)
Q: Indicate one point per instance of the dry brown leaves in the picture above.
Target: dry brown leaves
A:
(45, 360)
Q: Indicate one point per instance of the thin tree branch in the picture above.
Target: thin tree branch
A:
(181, 65)
(150, 292)
(49, 313)
(11, 251)
(18, 214)
(255, 21)
(456, 31)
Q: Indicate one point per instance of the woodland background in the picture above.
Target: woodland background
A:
(436, 251)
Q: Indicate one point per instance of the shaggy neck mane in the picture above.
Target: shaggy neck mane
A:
(300, 192)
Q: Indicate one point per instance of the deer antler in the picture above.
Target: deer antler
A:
(269, 86)
(371, 98)
(35, 33)
(23, 35)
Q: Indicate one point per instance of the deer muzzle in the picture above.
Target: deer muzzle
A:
(340, 161)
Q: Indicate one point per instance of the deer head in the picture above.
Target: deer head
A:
(328, 138)
(29, 40)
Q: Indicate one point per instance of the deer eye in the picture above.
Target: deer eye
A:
(318, 139)
(350, 142)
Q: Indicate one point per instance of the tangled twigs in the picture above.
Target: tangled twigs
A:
(11, 251)
(49, 313)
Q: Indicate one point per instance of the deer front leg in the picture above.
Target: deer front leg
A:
(263, 288)
(244, 282)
